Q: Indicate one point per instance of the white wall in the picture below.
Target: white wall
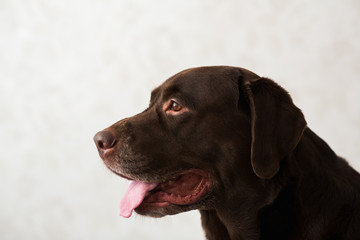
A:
(71, 68)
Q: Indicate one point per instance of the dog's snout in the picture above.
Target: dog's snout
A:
(105, 140)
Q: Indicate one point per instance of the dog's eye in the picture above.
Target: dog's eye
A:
(175, 106)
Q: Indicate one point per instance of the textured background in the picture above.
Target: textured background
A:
(71, 68)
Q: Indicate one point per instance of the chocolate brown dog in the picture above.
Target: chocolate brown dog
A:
(234, 146)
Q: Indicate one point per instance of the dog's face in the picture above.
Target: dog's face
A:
(191, 146)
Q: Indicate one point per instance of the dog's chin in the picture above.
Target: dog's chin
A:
(164, 209)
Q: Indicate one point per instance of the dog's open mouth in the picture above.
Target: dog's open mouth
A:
(183, 189)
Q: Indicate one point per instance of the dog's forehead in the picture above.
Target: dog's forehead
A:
(202, 74)
(200, 87)
(196, 80)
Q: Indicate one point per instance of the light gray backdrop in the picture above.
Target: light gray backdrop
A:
(71, 68)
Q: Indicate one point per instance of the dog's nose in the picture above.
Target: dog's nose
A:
(104, 140)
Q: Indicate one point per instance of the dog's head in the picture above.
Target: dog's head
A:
(207, 134)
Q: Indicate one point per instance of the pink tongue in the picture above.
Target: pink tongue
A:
(134, 196)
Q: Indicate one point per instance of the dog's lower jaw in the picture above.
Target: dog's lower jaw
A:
(171, 209)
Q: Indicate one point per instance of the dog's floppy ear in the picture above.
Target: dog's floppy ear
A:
(276, 124)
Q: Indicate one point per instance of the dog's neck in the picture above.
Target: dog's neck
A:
(296, 188)
(216, 227)
(213, 227)
(312, 193)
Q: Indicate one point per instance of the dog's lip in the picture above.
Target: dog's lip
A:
(184, 188)
(163, 178)
(171, 177)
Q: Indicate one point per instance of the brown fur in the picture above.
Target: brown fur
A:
(271, 176)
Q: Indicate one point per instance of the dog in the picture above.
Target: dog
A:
(234, 146)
